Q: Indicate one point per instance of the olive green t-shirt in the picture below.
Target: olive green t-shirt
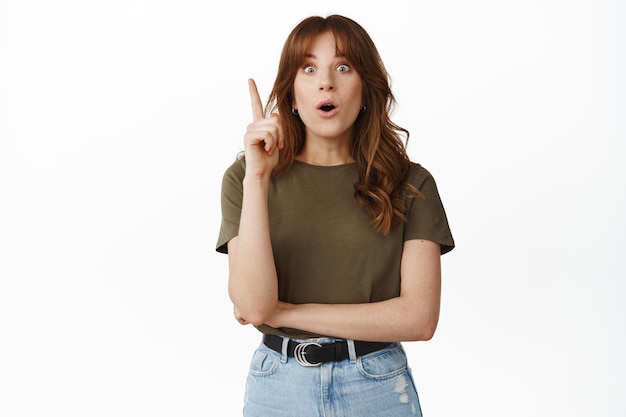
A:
(325, 247)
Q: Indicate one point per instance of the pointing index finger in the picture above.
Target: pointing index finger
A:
(255, 99)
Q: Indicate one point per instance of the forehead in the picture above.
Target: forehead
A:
(324, 44)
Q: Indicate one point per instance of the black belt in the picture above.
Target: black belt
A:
(314, 354)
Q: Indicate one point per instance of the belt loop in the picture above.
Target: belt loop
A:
(351, 351)
(283, 358)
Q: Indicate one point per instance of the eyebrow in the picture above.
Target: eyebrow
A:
(312, 56)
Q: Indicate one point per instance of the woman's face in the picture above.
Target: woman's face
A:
(327, 91)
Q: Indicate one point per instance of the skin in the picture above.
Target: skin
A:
(253, 282)
(323, 77)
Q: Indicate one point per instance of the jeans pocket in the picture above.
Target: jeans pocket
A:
(384, 364)
(264, 362)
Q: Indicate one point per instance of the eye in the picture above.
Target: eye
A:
(343, 68)
(309, 69)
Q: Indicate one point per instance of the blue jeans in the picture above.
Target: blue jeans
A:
(379, 384)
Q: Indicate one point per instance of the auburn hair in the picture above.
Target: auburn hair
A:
(378, 146)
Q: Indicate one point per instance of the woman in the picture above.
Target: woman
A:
(333, 235)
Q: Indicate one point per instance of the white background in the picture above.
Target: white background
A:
(118, 118)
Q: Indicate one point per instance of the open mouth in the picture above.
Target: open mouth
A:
(327, 107)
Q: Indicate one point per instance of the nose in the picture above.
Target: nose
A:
(327, 83)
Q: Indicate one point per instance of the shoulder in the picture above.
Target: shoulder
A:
(419, 175)
(236, 170)
(232, 179)
(238, 166)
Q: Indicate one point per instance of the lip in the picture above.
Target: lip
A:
(325, 102)
(330, 113)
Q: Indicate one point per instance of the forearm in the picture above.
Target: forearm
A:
(413, 315)
(253, 283)
(396, 319)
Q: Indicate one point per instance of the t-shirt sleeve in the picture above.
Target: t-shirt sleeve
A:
(231, 198)
(426, 217)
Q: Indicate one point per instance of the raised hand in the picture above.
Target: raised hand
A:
(263, 138)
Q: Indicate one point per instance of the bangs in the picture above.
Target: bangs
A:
(311, 28)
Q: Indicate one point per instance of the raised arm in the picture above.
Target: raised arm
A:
(411, 316)
(252, 282)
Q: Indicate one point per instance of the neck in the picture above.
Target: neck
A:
(325, 157)
(317, 151)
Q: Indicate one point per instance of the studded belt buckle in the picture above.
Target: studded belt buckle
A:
(299, 353)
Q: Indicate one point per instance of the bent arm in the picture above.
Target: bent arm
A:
(410, 317)
(252, 281)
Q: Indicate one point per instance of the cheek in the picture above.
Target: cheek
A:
(357, 90)
(298, 93)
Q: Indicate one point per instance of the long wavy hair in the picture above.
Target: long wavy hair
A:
(379, 145)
